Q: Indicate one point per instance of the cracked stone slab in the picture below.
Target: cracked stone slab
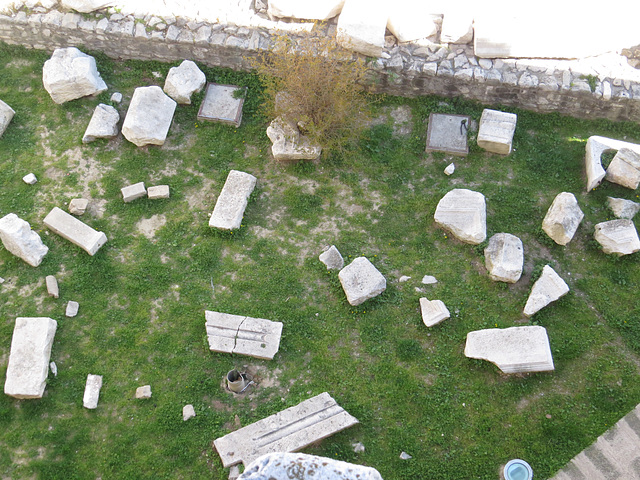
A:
(77, 232)
(232, 202)
(463, 213)
(619, 237)
(623, 208)
(548, 288)
(596, 146)
(254, 337)
(287, 431)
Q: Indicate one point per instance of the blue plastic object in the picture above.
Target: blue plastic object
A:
(517, 470)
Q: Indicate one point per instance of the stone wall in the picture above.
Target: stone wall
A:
(604, 87)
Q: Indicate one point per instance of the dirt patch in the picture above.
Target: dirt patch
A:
(149, 226)
(19, 63)
(201, 197)
(402, 121)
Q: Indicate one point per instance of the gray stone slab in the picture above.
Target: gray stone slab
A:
(287, 431)
(448, 133)
(75, 231)
(29, 358)
(92, 391)
(222, 104)
(254, 337)
(230, 206)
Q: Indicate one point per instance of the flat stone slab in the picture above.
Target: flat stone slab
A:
(29, 357)
(548, 288)
(287, 431)
(448, 133)
(75, 231)
(71, 74)
(332, 258)
(6, 114)
(362, 25)
(232, 202)
(619, 237)
(596, 146)
(463, 213)
(624, 169)
(504, 258)
(622, 208)
(496, 131)
(103, 123)
(255, 337)
(361, 281)
(72, 309)
(306, 467)
(433, 311)
(562, 218)
(149, 116)
(18, 238)
(92, 391)
(133, 192)
(512, 350)
(223, 104)
(183, 81)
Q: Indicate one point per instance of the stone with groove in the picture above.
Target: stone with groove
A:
(75, 231)
(232, 201)
(463, 213)
(361, 281)
(433, 311)
(562, 218)
(18, 238)
(548, 288)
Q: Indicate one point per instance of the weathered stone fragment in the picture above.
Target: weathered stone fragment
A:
(188, 412)
(78, 206)
(562, 218)
(29, 357)
(496, 131)
(548, 288)
(75, 231)
(361, 26)
(18, 238)
(450, 169)
(409, 20)
(433, 311)
(87, 6)
(92, 391)
(184, 81)
(103, 123)
(6, 114)
(232, 201)
(158, 191)
(316, 10)
(429, 280)
(143, 392)
(149, 116)
(71, 74)
(286, 431)
(52, 286)
(464, 213)
(457, 27)
(504, 258)
(133, 192)
(30, 179)
(622, 208)
(512, 350)
(223, 103)
(306, 467)
(72, 309)
(332, 258)
(619, 237)
(624, 169)
(116, 97)
(596, 146)
(289, 144)
(361, 281)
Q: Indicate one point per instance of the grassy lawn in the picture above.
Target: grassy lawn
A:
(143, 295)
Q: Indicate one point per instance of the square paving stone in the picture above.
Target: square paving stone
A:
(223, 103)
(448, 133)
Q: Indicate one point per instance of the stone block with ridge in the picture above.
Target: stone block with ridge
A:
(496, 131)
(433, 311)
(77, 232)
(361, 281)
(232, 201)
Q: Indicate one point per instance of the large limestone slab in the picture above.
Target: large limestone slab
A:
(361, 281)
(433, 311)
(410, 20)
(103, 123)
(19, 239)
(77, 232)
(255, 337)
(594, 149)
(548, 288)
(6, 114)
(562, 218)
(183, 81)
(504, 258)
(361, 26)
(71, 74)
(512, 350)
(306, 467)
(287, 431)
(316, 10)
(496, 131)
(232, 202)
(623, 208)
(457, 26)
(619, 237)
(289, 144)
(29, 357)
(92, 391)
(624, 169)
(149, 116)
(463, 213)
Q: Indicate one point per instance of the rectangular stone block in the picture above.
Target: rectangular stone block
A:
(287, 431)
(229, 209)
(92, 391)
(77, 232)
(29, 357)
(133, 192)
(158, 191)
(255, 337)
(496, 131)
(362, 25)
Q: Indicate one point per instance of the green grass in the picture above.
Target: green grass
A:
(142, 300)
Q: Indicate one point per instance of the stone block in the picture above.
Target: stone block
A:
(254, 337)
(409, 21)
(362, 25)
(92, 391)
(512, 350)
(30, 179)
(548, 288)
(78, 206)
(619, 237)
(448, 133)
(624, 169)
(158, 191)
(52, 286)
(29, 357)
(496, 131)
(184, 81)
(433, 311)
(87, 6)
(71, 74)
(75, 231)
(103, 123)
(361, 281)
(149, 116)
(6, 114)
(562, 218)
(232, 201)
(316, 10)
(18, 238)
(223, 104)
(332, 258)
(143, 392)
(286, 431)
(188, 412)
(72, 309)
(289, 144)
(463, 213)
(622, 208)
(133, 192)
(504, 258)
(594, 149)
(457, 27)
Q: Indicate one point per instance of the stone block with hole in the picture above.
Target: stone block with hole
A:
(361, 281)
(496, 130)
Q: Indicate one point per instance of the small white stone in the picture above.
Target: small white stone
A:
(188, 412)
(1, 280)
(405, 456)
(78, 206)
(116, 97)
(143, 392)
(29, 179)
(158, 191)
(433, 312)
(404, 278)
(133, 192)
(450, 169)
(72, 309)
(429, 280)
(332, 258)
(54, 368)
(358, 447)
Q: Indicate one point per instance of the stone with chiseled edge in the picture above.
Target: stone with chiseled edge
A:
(504, 258)
(232, 201)
(433, 311)
(361, 26)
(183, 81)
(6, 114)
(29, 357)
(306, 467)
(619, 237)
(75, 231)
(596, 146)
(562, 218)
(361, 281)
(103, 123)
(287, 431)
(496, 131)
(92, 391)
(548, 288)
(71, 74)
(289, 144)
(149, 116)
(332, 258)
(512, 350)
(18, 238)
(464, 213)
(622, 208)
(624, 169)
